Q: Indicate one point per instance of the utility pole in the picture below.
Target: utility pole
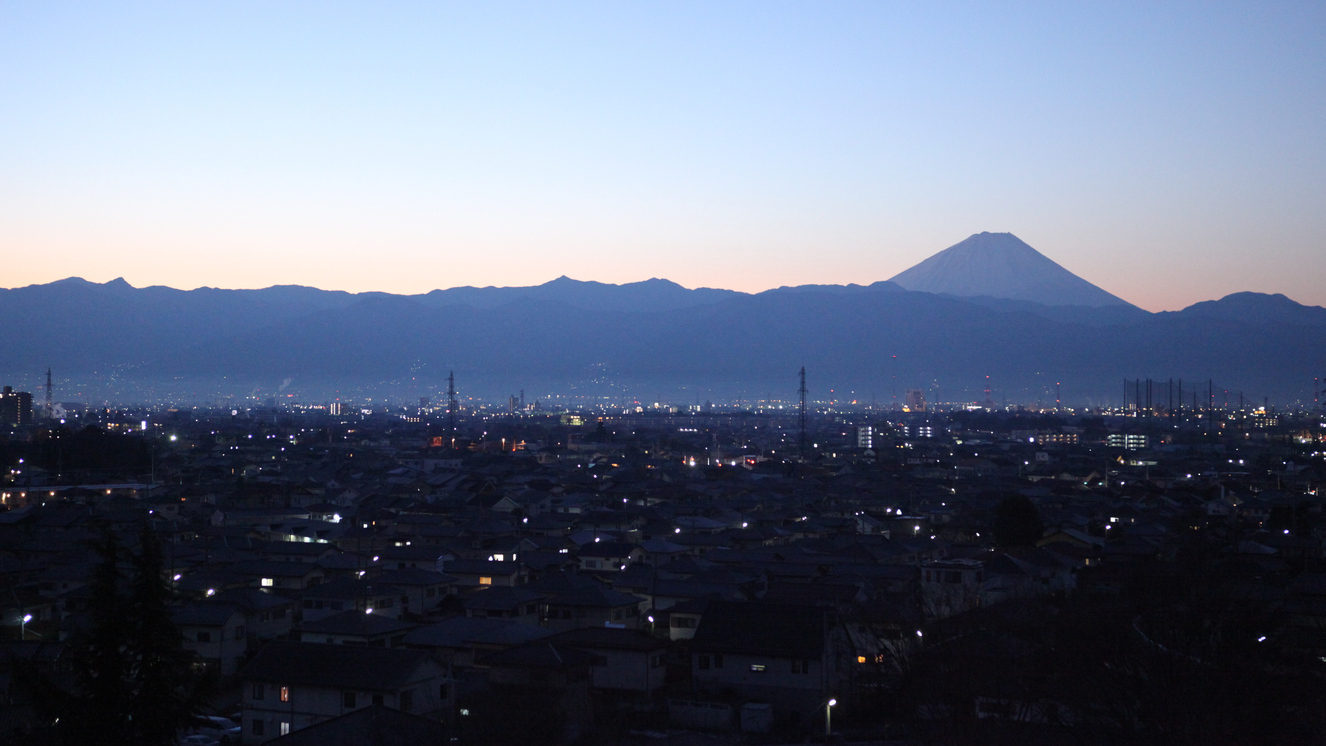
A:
(801, 416)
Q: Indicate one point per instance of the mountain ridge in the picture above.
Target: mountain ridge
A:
(585, 334)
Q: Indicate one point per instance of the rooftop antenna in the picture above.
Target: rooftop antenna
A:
(451, 406)
(801, 417)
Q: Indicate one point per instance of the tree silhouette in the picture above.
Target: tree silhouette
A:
(1017, 522)
(133, 683)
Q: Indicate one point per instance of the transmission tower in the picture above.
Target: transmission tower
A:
(451, 406)
(801, 416)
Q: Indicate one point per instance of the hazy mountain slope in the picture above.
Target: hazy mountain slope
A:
(753, 342)
(1000, 265)
(78, 325)
(846, 336)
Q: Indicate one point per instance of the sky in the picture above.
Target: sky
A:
(1168, 152)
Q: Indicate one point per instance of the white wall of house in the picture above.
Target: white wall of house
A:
(628, 670)
(309, 705)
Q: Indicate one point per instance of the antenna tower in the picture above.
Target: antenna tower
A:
(801, 416)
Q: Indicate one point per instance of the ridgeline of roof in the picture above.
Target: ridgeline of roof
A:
(334, 666)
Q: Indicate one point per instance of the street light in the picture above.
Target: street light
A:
(828, 718)
(23, 627)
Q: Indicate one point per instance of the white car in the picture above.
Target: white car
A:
(217, 728)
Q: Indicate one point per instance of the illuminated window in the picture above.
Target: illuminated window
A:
(285, 694)
(285, 729)
(757, 668)
(860, 659)
(485, 580)
(266, 582)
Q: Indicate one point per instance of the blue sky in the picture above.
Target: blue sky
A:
(1168, 152)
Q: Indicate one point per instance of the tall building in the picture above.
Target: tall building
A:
(15, 407)
(865, 437)
(915, 400)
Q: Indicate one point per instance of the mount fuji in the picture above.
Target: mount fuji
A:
(1001, 265)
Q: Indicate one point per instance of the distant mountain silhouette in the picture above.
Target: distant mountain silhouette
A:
(1257, 308)
(1001, 265)
(658, 334)
(649, 295)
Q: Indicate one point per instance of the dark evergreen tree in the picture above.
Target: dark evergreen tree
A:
(133, 683)
(99, 710)
(167, 691)
(1017, 522)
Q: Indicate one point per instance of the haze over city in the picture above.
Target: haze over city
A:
(1168, 154)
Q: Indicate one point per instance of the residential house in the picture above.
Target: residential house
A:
(792, 657)
(346, 594)
(215, 632)
(355, 628)
(624, 659)
(289, 686)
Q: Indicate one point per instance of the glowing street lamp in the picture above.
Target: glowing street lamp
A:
(828, 717)
(23, 627)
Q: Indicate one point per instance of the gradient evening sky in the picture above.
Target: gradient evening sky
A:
(1170, 153)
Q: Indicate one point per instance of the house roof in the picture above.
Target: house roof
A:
(539, 654)
(204, 615)
(355, 623)
(345, 589)
(500, 597)
(607, 549)
(481, 567)
(598, 597)
(608, 638)
(249, 600)
(375, 725)
(334, 666)
(773, 630)
(462, 632)
(413, 576)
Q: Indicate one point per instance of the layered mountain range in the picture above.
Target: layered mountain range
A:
(988, 306)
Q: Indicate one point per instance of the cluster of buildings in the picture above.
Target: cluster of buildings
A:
(707, 575)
